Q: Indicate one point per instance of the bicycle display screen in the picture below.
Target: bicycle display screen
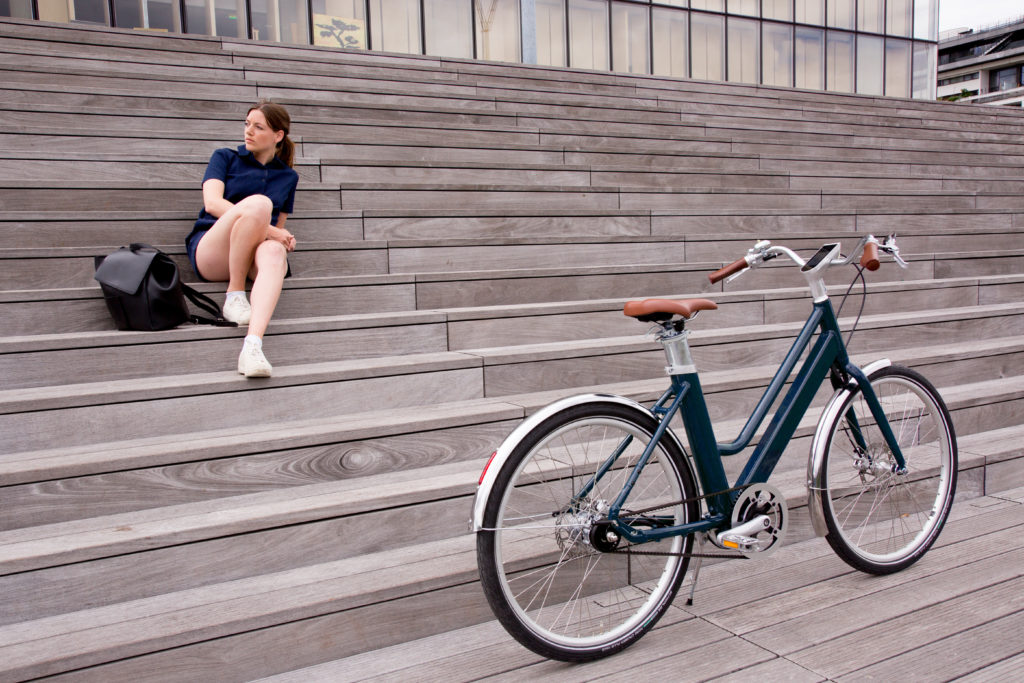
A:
(818, 257)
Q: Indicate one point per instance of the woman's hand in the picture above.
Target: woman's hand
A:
(283, 236)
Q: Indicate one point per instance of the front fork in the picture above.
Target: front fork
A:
(844, 378)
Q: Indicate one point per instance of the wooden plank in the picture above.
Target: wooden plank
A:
(997, 672)
(118, 492)
(846, 607)
(772, 670)
(292, 598)
(688, 639)
(917, 630)
(812, 590)
(991, 642)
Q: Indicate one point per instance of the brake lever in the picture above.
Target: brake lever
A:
(890, 247)
(736, 275)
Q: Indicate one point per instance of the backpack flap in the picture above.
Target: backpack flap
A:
(125, 269)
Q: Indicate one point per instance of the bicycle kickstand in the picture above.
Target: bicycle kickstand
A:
(696, 569)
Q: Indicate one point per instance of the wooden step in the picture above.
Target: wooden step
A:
(145, 471)
(437, 576)
(803, 601)
(38, 360)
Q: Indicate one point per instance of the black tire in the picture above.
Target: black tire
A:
(878, 521)
(547, 584)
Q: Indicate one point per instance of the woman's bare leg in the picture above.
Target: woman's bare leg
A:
(270, 267)
(227, 250)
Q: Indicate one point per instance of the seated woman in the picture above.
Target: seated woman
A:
(248, 193)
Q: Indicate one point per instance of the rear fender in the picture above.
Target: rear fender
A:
(501, 456)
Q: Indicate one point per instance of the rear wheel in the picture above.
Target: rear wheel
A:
(558, 581)
(880, 521)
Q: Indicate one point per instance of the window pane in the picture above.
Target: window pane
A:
(899, 16)
(551, 32)
(810, 12)
(630, 42)
(839, 61)
(713, 5)
(588, 34)
(924, 71)
(897, 67)
(21, 9)
(869, 65)
(395, 26)
(926, 19)
(778, 9)
(280, 20)
(449, 28)
(840, 13)
(339, 23)
(744, 50)
(743, 7)
(778, 54)
(708, 46)
(869, 15)
(497, 30)
(671, 43)
(1003, 79)
(216, 17)
(92, 11)
(810, 58)
(674, 3)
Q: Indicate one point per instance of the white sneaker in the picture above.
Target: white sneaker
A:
(252, 362)
(237, 310)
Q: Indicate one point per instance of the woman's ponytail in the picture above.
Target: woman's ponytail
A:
(286, 150)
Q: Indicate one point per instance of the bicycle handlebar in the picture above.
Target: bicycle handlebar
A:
(869, 259)
(869, 248)
(722, 273)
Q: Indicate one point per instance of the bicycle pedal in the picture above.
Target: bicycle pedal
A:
(737, 542)
(742, 537)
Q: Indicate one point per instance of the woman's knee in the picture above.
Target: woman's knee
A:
(271, 256)
(258, 207)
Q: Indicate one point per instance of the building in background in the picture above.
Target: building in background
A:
(874, 47)
(984, 66)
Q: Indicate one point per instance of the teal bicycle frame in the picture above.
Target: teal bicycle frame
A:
(686, 398)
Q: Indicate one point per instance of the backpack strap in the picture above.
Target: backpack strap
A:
(204, 302)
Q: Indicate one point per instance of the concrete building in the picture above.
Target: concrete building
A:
(984, 66)
(874, 47)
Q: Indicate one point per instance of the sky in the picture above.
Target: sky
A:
(975, 13)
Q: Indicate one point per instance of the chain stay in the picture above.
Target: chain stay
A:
(628, 550)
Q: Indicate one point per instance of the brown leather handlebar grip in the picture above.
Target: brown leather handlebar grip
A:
(869, 259)
(722, 273)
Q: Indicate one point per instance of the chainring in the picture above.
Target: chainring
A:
(763, 499)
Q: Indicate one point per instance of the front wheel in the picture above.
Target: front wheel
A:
(880, 521)
(558, 582)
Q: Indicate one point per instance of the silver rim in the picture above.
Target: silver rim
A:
(559, 586)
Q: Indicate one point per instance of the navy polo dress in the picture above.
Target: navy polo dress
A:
(244, 176)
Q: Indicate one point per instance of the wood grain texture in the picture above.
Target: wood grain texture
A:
(168, 526)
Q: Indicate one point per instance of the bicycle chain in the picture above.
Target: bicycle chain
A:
(725, 556)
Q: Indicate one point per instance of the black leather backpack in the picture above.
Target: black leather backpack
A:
(144, 291)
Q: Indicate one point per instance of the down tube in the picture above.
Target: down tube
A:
(792, 409)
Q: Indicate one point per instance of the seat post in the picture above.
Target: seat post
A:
(677, 350)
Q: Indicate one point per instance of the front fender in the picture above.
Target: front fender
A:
(816, 461)
(497, 461)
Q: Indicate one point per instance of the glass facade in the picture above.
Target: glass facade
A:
(875, 47)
